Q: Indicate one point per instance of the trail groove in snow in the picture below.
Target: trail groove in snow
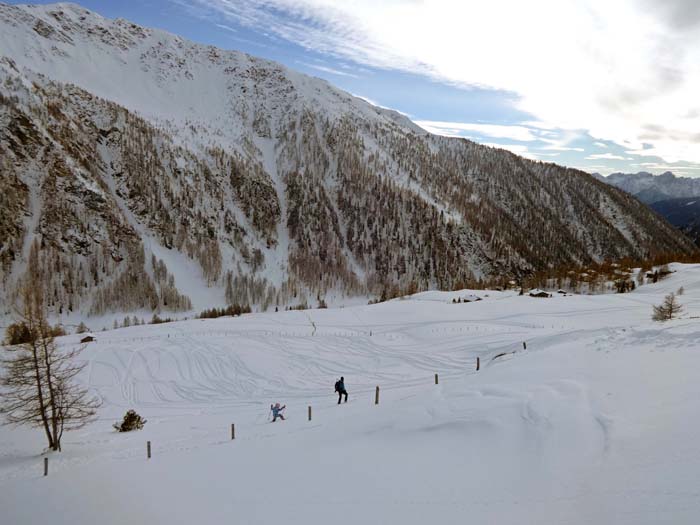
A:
(594, 423)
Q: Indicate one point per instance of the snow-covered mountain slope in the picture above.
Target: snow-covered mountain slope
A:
(674, 198)
(683, 213)
(654, 188)
(595, 422)
(159, 174)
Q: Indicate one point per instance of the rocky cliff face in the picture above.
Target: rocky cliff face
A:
(154, 173)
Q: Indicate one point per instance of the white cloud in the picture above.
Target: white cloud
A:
(489, 130)
(624, 71)
(666, 167)
(601, 144)
(606, 156)
(539, 125)
(562, 148)
(327, 69)
(227, 28)
(562, 141)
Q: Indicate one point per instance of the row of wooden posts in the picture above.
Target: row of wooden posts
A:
(233, 426)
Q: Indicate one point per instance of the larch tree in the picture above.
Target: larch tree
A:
(669, 309)
(38, 382)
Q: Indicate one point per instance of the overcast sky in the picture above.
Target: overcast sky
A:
(603, 85)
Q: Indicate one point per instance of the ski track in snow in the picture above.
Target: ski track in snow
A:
(566, 425)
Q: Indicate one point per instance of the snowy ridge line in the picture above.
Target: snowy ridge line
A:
(288, 335)
(342, 334)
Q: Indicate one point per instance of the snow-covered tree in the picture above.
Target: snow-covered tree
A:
(669, 309)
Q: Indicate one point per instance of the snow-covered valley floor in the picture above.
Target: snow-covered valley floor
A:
(596, 422)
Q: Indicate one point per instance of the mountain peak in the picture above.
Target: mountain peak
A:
(175, 175)
(655, 188)
(170, 78)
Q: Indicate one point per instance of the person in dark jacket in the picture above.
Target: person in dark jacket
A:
(277, 411)
(340, 388)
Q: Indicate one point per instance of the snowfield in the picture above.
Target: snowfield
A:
(595, 422)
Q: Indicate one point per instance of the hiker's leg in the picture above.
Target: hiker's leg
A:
(281, 417)
(346, 397)
(340, 396)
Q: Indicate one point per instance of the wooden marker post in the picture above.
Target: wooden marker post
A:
(148, 449)
(46, 466)
(376, 396)
(524, 345)
(478, 364)
(233, 431)
(436, 379)
(309, 412)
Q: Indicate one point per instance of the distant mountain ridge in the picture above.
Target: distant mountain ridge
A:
(653, 188)
(155, 174)
(677, 199)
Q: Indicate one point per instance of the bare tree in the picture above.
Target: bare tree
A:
(669, 309)
(39, 387)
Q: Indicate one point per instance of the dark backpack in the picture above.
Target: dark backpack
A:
(337, 386)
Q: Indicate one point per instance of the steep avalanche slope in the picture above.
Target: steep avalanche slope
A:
(210, 176)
